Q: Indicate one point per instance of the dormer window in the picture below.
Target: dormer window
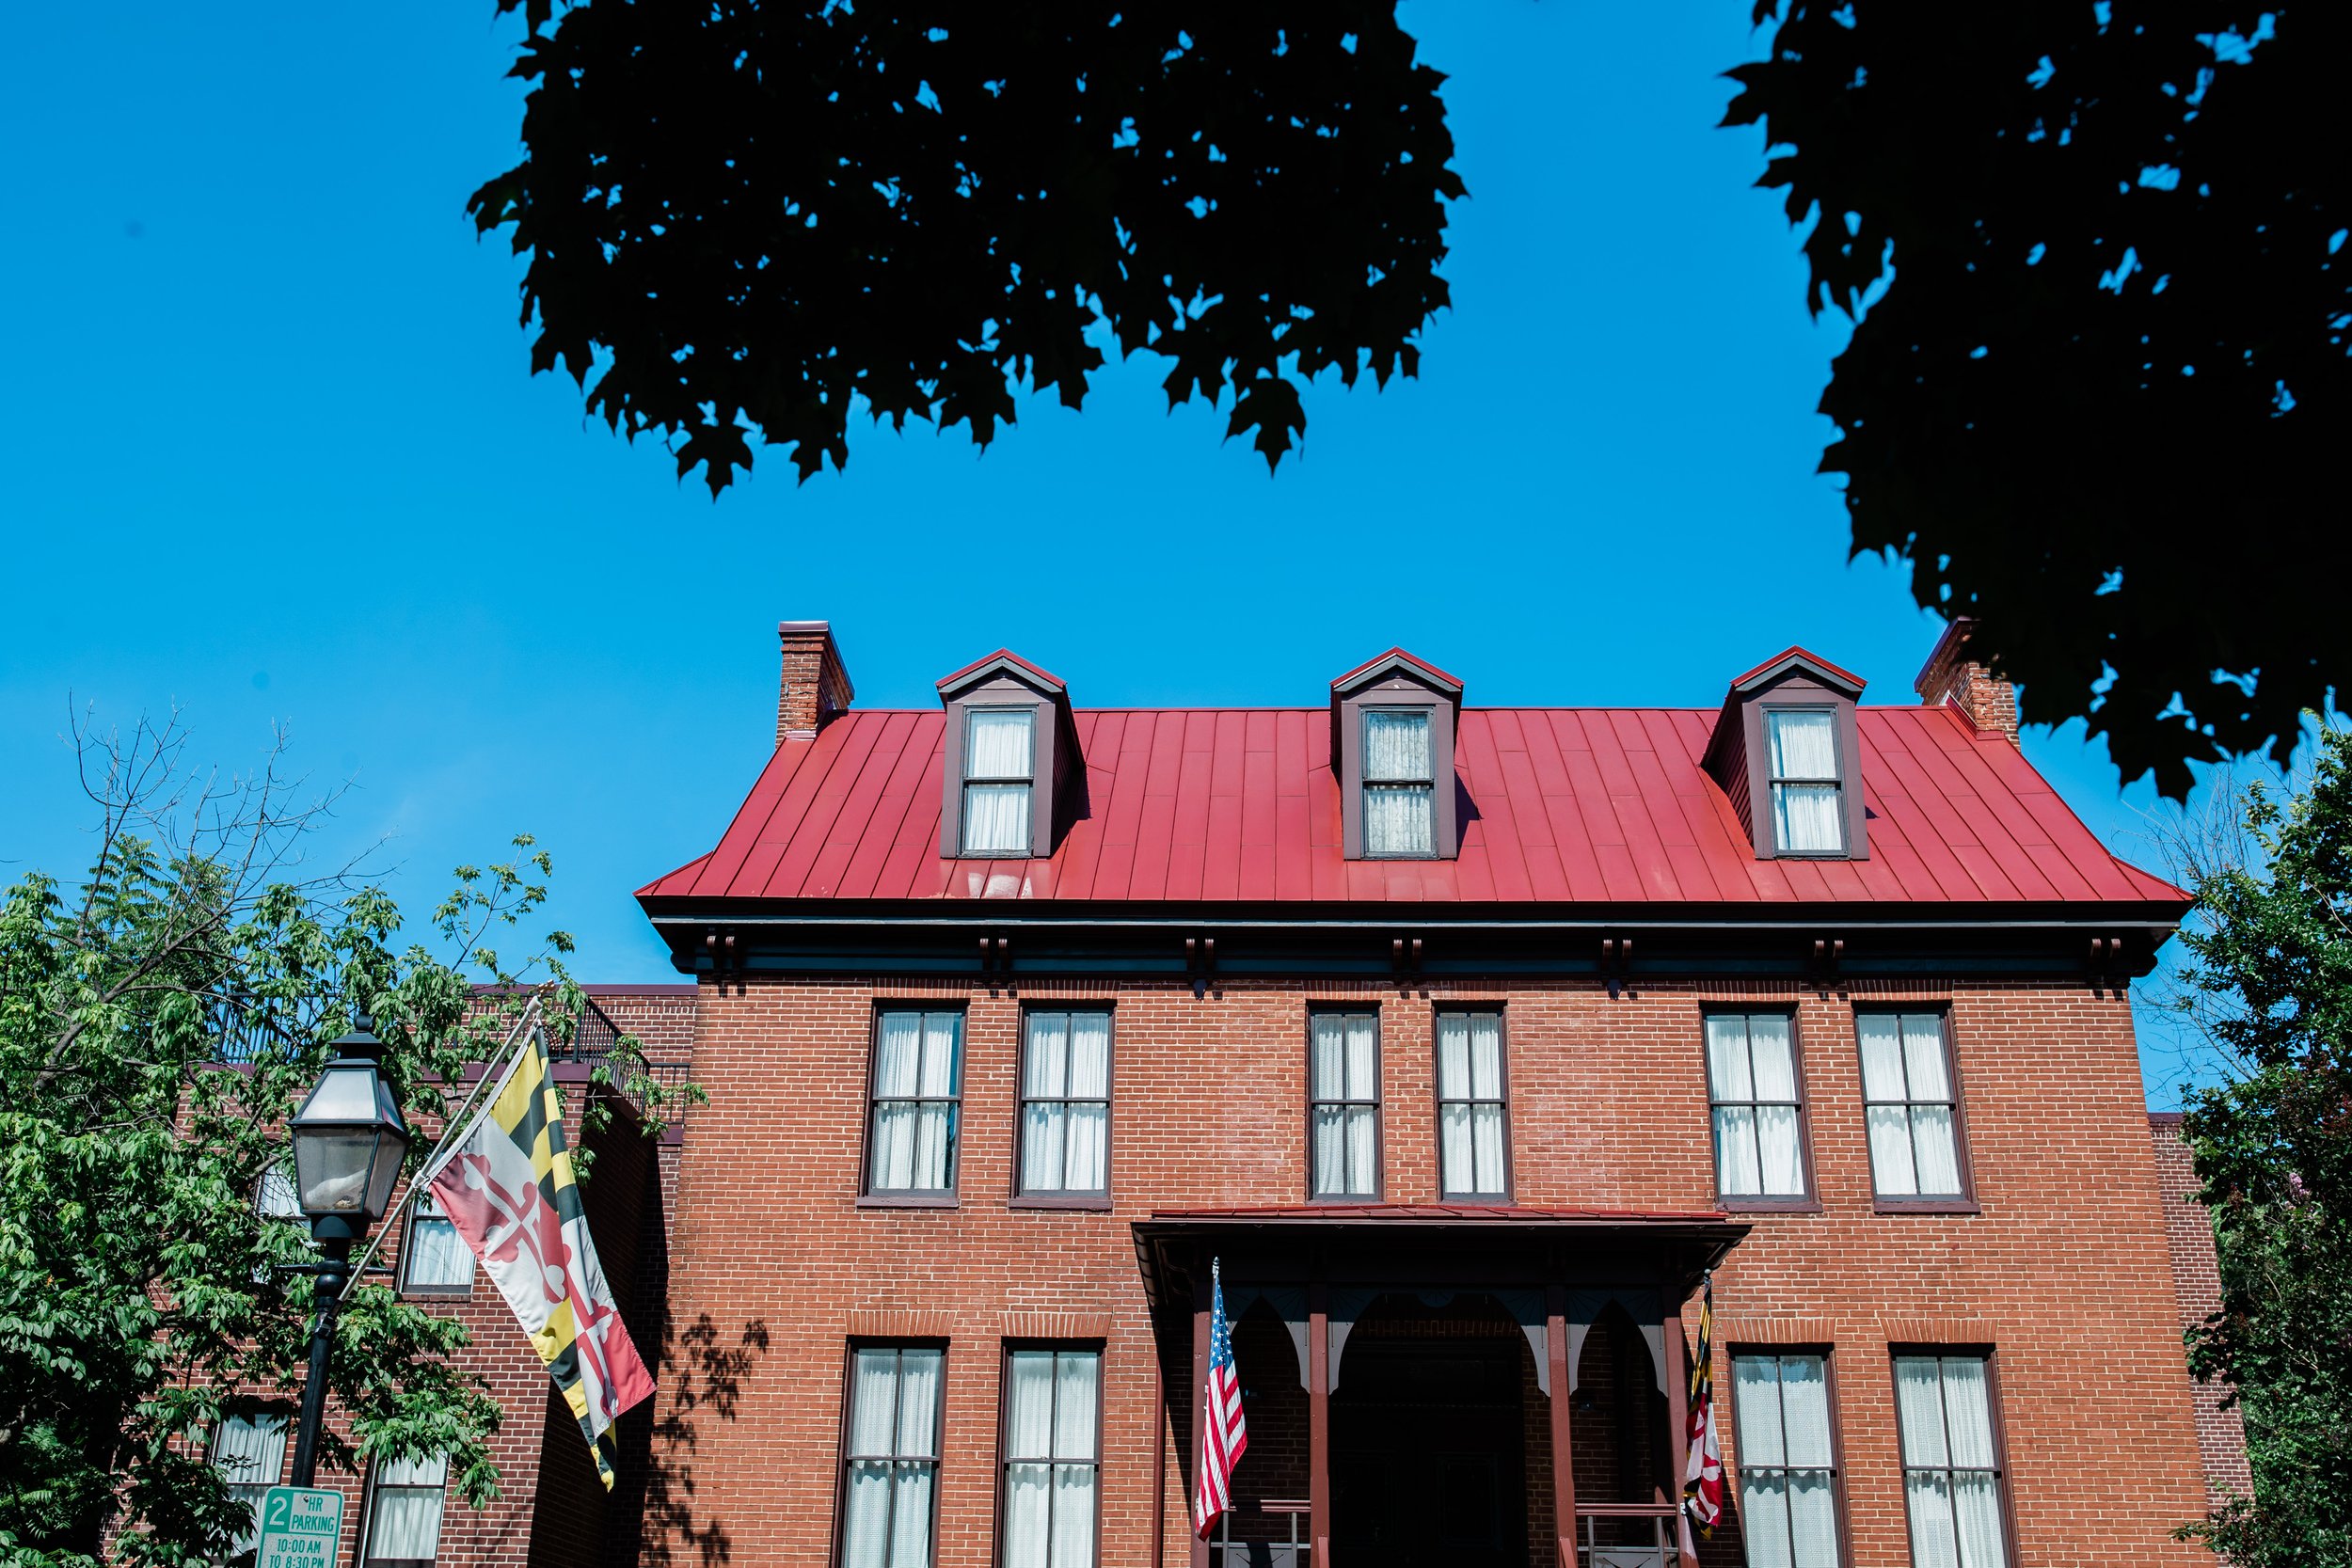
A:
(999, 769)
(1013, 779)
(1400, 783)
(1393, 724)
(1788, 756)
(1808, 805)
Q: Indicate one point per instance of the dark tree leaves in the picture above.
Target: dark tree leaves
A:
(2100, 405)
(742, 217)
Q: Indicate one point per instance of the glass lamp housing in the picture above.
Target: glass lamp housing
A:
(349, 1138)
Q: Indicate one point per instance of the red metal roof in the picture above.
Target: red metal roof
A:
(1568, 806)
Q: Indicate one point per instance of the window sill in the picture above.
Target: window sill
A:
(1478, 1201)
(1769, 1205)
(428, 1293)
(1089, 1203)
(908, 1200)
(1346, 1201)
(1924, 1206)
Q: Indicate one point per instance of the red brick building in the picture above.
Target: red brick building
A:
(1465, 1042)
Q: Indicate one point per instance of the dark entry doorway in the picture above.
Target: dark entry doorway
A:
(1428, 1454)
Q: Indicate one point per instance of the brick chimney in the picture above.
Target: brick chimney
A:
(1953, 675)
(816, 683)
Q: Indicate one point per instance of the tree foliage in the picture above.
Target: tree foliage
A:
(2272, 951)
(2098, 405)
(747, 219)
(159, 1020)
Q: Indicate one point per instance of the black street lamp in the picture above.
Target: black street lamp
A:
(349, 1139)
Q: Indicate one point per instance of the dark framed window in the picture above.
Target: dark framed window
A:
(1473, 1108)
(1399, 784)
(999, 770)
(405, 1498)
(1066, 1103)
(1912, 1106)
(1953, 1478)
(1756, 1094)
(1786, 1445)
(275, 1199)
(890, 1456)
(434, 1259)
(249, 1451)
(1052, 1445)
(1807, 788)
(1344, 1102)
(918, 1090)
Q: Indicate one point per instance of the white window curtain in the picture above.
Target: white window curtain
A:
(1346, 1066)
(997, 769)
(1399, 799)
(1471, 1124)
(1785, 1469)
(918, 1060)
(1808, 817)
(1051, 1462)
(405, 1512)
(1952, 1483)
(249, 1453)
(436, 1256)
(1907, 1091)
(1752, 1074)
(892, 1459)
(1066, 1081)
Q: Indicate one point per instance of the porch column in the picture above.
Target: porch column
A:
(1562, 1443)
(1678, 1351)
(1200, 1405)
(1319, 1423)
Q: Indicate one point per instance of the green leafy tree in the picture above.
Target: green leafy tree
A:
(744, 220)
(2111, 242)
(159, 1020)
(2272, 950)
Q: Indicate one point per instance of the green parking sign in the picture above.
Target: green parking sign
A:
(299, 1528)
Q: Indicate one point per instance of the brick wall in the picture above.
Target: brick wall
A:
(2197, 1286)
(2065, 1270)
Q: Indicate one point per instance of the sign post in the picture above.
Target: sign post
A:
(300, 1525)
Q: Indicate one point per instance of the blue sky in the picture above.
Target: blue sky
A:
(270, 452)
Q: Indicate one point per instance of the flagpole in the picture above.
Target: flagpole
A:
(490, 1073)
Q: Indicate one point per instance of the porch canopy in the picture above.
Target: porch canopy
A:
(1556, 1272)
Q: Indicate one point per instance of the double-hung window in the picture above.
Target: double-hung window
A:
(1066, 1103)
(1344, 1069)
(1809, 804)
(1400, 783)
(1053, 1447)
(434, 1258)
(1752, 1083)
(248, 1451)
(890, 1462)
(1909, 1103)
(1473, 1115)
(918, 1080)
(1787, 1462)
(999, 763)
(405, 1512)
(1952, 1465)
(275, 1199)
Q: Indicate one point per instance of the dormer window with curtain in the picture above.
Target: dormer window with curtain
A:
(1000, 761)
(1809, 804)
(1400, 787)
(1013, 777)
(1788, 757)
(1392, 723)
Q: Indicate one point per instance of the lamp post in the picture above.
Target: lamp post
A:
(349, 1139)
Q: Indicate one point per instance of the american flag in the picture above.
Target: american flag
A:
(1224, 1436)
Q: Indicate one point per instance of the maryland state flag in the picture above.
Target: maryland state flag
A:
(507, 1185)
(1703, 1473)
